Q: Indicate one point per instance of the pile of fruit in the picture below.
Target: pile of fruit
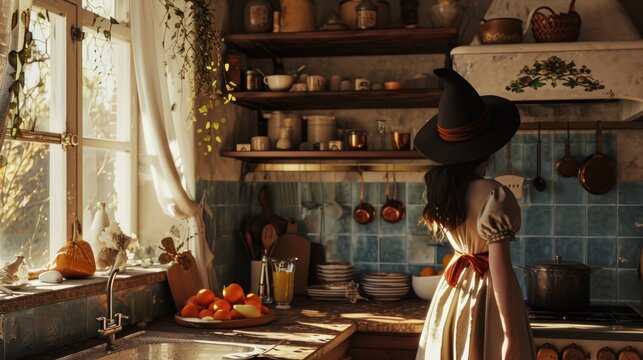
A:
(431, 271)
(235, 305)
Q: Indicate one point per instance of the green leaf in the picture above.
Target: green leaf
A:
(207, 125)
(226, 66)
(216, 125)
(108, 34)
(207, 138)
(209, 148)
(218, 139)
(3, 161)
(199, 131)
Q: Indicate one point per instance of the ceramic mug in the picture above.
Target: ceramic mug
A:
(315, 83)
(260, 143)
(279, 82)
(335, 82)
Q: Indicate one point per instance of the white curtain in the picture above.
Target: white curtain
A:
(9, 40)
(165, 103)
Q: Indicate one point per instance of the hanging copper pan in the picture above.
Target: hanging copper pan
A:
(597, 174)
(363, 213)
(393, 210)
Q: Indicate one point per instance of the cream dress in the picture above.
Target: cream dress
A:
(463, 322)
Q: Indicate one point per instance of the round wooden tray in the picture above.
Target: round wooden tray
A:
(223, 324)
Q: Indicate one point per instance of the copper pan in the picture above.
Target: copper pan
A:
(597, 174)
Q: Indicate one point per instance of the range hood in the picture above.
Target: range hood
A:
(605, 64)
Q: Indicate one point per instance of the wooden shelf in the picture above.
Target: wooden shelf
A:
(344, 155)
(369, 99)
(347, 42)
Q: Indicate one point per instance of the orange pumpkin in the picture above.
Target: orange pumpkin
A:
(76, 259)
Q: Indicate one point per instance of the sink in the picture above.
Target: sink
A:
(157, 345)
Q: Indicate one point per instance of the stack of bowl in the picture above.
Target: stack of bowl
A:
(388, 286)
(335, 272)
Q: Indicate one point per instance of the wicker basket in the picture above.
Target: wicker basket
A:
(555, 27)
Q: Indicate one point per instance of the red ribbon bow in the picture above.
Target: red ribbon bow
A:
(480, 263)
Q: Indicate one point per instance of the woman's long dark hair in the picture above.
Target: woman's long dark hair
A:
(446, 191)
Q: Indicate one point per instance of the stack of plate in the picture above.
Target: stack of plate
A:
(385, 285)
(327, 292)
(335, 272)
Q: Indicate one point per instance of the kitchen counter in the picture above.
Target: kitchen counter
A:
(311, 329)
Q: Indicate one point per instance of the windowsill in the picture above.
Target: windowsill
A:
(38, 293)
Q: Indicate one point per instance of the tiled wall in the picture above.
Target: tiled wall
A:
(564, 220)
(30, 331)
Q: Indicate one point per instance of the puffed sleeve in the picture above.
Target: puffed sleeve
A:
(499, 217)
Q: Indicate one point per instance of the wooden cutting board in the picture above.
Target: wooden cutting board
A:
(289, 245)
(183, 283)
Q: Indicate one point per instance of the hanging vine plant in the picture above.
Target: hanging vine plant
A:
(191, 35)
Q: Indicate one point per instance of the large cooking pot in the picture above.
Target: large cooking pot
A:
(558, 284)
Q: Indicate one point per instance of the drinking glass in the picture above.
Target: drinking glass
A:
(283, 281)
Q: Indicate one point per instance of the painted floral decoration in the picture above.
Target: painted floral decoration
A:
(554, 71)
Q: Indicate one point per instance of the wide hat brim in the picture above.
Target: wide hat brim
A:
(505, 120)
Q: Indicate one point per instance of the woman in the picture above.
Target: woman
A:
(478, 310)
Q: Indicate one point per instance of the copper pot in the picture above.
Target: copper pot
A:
(501, 31)
(393, 210)
(558, 284)
(364, 213)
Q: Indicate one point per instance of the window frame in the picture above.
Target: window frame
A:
(70, 196)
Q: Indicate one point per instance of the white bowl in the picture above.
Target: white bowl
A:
(279, 82)
(424, 286)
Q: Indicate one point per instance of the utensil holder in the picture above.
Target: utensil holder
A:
(264, 281)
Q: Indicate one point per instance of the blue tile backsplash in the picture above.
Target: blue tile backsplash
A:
(563, 220)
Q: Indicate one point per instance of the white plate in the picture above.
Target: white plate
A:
(16, 286)
(335, 266)
(397, 288)
(385, 281)
(387, 298)
(386, 275)
(332, 272)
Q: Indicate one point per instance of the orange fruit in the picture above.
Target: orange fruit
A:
(204, 313)
(204, 297)
(219, 305)
(222, 314)
(233, 293)
(192, 300)
(428, 271)
(234, 314)
(253, 299)
(265, 310)
(190, 310)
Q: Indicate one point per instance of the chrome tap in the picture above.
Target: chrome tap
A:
(109, 325)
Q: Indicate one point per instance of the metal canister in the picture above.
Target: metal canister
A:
(254, 81)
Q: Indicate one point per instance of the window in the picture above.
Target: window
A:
(77, 87)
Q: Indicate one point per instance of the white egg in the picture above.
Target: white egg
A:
(51, 276)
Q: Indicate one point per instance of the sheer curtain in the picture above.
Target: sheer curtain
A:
(165, 102)
(9, 40)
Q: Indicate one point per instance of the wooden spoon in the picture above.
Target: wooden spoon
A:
(269, 236)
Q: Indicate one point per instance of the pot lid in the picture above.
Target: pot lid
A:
(559, 263)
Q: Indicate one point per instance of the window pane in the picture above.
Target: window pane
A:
(107, 178)
(31, 202)
(43, 95)
(106, 87)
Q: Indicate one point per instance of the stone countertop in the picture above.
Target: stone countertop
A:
(310, 329)
(314, 328)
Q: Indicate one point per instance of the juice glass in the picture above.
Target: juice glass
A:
(283, 281)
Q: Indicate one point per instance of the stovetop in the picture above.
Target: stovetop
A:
(625, 315)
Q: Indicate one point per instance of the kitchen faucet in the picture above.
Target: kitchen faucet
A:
(109, 325)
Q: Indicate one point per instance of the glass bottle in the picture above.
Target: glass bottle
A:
(366, 15)
(99, 223)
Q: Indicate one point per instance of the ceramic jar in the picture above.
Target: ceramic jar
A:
(447, 13)
(348, 13)
(258, 16)
(297, 15)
